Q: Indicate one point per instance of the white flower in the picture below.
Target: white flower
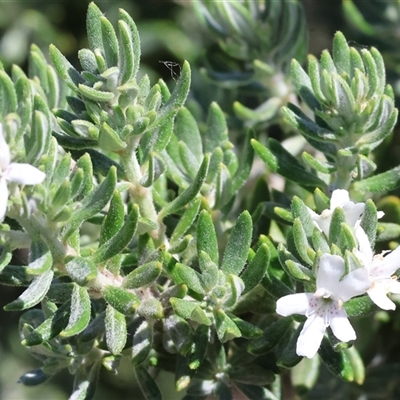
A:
(381, 267)
(340, 198)
(23, 174)
(324, 307)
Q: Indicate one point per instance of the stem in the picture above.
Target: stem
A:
(343, 176)
(140, 195)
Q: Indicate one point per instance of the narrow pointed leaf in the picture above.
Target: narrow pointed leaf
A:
(206, 236)
(80, 312)
(115, 327)
(120, 240)
(237, 248)
(256, 269)
(34, 294)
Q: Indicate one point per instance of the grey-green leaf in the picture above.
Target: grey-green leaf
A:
(237, 248)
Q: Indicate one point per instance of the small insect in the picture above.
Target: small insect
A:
(171, 65)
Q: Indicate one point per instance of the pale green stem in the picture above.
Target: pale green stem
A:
(140, 195)
(343, 178)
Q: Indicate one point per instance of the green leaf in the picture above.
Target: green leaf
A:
(386, 231)
(305, 374)
(289, 358)
(289, 167)
(234, 286)
(155, 169)
(34, 377)
(151, 309)
(337, 362)
(263, 113)
(200, 343)
(40, 259)
(81, 270)
(65, 69)
(189, 310)
(25, 104)
(359, 306)
(80, 312)
(383, 182)
(341, 53)
(270, 338)
(115, 327)
(256, 269)
(225, 327)
(93, 203)
(94, 330)
(209, 271)
(187, 275)
(180, 332)
(85, 384)
(8, 97)
(252, 374)
(147, 384)
(190, 193)
(245, 163)
(324, 167)
(50, 328)
(143, 275)
(206, 236)
(109, 139)
(255, 392)
(178, 96)
(94, 94)
(87, 60)
(300, 240)
(356, 363)
(186, 130)
(60, 292)
(303, 85)
(120, 299)
(248, 331)
(38, 141)
(237, 248)
(120, 240)
(114, 219)
(188, 159)
(335, 227)
(110, 42)
(142, 342)
(34, 294)
(93, 27)
(186, 220)
(217, 130)
(134, 48)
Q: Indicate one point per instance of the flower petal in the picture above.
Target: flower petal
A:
(331, 269)
(378, 295)
(388, 265)
(339, 198)
(352, 212)
(293, 304)
(353, 284)
(5, 156)
(341, 327)
(24, 174)
(323, 221)
(3, 198)
(364, 247)
(394, 286)
(310, 337)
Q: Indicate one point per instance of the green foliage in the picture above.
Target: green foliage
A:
(156, 236)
